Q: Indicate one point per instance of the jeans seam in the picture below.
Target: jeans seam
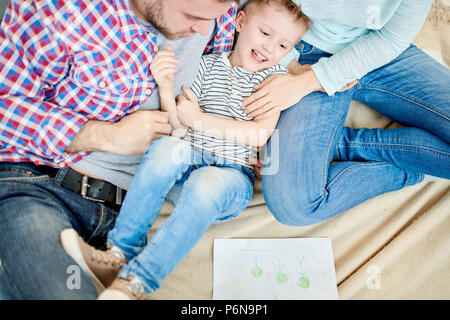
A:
(326, 163)
(395, 146)
(242, 201)
(406, 97)
(100, 223)
(31, 180)
(352, 167)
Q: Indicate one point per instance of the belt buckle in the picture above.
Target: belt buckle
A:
(84, 188)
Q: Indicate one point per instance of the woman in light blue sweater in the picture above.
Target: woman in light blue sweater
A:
(355, 49)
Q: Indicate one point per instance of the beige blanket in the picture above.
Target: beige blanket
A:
(395, 246)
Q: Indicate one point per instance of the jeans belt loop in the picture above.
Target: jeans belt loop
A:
(118, 196)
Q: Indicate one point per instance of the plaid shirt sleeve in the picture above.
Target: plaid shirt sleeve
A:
(30, 65)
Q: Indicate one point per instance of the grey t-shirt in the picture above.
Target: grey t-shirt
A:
(119, 169)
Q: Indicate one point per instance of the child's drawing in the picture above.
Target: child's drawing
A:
(274, 269)
(256, 270)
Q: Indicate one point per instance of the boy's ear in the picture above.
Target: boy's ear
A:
(240, 20)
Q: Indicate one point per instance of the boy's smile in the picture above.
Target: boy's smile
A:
(258, 56)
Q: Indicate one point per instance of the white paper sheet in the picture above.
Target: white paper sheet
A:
(271, 269)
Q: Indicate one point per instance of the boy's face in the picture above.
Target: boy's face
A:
(266, 34)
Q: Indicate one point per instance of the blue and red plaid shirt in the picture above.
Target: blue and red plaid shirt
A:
(63, 63)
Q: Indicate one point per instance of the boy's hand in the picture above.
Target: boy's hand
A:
(188, 110)
(163, 67)
(257, 163)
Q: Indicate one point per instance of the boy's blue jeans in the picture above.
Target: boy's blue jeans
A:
(213, 190)
(413, 90)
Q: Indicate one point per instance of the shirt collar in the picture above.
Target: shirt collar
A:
(130, 25)
(224, 57)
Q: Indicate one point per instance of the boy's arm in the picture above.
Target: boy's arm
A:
(163, 68)
(253, 132)
(168, 104)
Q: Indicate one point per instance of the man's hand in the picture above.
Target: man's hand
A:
(131, 135)
(188, 110)
(163, 67)
(134, 133)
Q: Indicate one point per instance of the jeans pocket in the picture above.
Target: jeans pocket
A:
(304, 48)
(309, 54)
(17, 174)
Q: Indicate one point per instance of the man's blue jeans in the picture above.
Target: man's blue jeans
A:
(326, 168)
(212, 190)
(34, 209)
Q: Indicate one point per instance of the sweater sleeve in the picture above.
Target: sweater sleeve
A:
(374, 49)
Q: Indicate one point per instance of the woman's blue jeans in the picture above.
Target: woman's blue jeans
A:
(213, 190)
(325, 168)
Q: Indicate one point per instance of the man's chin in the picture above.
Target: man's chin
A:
(178, 36)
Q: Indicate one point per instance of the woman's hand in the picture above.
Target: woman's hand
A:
(163, 67)
(279, 92)
(188, 110)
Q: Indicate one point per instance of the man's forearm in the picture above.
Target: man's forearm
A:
(93, 136)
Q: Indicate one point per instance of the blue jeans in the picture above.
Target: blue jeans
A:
(34, 209)
(326, 168)
(212, 190)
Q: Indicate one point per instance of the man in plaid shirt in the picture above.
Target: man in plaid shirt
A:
(73, 76)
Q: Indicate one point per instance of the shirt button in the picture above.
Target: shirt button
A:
(61, 164)
(155, 49)
(102, 84)
(148, 91)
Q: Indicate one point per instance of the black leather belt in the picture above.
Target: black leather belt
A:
(89, 188)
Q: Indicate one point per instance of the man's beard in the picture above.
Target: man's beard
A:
(153, 13)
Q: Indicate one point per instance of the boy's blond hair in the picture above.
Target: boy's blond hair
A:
(292, 8)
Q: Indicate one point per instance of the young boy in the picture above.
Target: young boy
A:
(210, 159)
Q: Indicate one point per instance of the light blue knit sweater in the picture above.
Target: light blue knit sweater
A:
(363, 35)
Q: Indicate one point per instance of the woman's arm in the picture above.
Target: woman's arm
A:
(254, 132)
(375, 49)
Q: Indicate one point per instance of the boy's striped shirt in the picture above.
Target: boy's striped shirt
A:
(220, 89)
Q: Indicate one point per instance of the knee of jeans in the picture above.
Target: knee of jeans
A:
(288, 208)
(218, 188)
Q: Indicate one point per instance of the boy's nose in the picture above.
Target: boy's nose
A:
(268, 46)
